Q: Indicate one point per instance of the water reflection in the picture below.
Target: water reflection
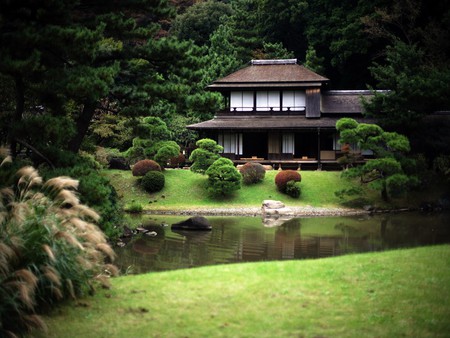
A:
(246, 239)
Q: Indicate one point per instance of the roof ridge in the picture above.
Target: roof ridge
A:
(274, 62)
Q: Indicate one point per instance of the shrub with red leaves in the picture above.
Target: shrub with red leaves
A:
(283, 177)
(144, 166)
(252, 172)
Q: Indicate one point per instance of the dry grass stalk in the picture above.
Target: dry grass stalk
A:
(60, 183)
(86, 212)
(35, 322)
(69, 238)
(111, 270)
(27, 276)
(67, 197)
(94, 237)
(51, 274)
(70, 288)
(104, 281)
(49, 252)
(107, 250)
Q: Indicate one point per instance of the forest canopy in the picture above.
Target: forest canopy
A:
(76, 74)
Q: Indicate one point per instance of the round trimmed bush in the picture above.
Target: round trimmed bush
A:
(252, 172)
(144, 166)
(283, 177)
(293, 189)
(153, 181)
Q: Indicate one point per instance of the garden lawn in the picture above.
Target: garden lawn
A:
(389, 294)
(186, 190)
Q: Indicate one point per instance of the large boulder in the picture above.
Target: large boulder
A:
(193, 223)
(271, 204)
(275, 213)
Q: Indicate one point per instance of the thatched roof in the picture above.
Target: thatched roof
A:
(270, 73)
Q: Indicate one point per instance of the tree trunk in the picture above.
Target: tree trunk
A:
(83, 122)
(384, 193)
(17, 118)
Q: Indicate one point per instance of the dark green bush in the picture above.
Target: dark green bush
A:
(223, 177)
(293, 189)
(252, 172)
(144, 166)
(153, 181)
(204, 156)
(283, 177)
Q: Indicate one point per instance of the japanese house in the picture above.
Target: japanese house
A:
(278, 112)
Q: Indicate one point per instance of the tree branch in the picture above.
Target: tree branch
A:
(34, 150)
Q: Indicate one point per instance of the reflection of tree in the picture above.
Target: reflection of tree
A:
(286, 237)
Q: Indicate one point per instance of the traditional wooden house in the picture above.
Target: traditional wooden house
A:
(278, 112)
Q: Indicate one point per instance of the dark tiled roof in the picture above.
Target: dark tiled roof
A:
(270, 75)
(269, 122)
(344, 101)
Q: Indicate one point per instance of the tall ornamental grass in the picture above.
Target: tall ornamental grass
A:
(50, 249)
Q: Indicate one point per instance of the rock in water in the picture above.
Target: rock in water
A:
(193, 223)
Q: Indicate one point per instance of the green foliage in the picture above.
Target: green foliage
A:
(153, 181)
(442, 165)
(207, 152)
(144, 166)
(390, 171)
(51, 249)
(284, 176)
(150, 131)
(167, 150)
(293, 189)
(223, 177)
(252, 172)
(134, 207)
(200, 20)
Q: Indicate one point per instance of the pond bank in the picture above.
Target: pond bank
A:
(306, 211)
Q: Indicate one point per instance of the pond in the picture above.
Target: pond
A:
(246, 239)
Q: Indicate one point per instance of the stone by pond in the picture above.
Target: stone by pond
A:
(249, 239)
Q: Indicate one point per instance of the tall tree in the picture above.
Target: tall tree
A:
(68, 59)
(415, 68)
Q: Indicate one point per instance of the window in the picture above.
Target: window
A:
(241, 101)
(231, 143)
(294, 100)
(268, 100)
(288, 143)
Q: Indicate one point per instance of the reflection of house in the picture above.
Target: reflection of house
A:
(278, 112)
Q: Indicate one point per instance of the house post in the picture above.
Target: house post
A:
(319, 163)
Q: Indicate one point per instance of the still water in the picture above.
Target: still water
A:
(246, 239)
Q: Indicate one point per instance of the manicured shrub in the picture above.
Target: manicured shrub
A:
(252, 172)
(177, 161)
(144, 166)
(223, 177)
(283, 177)
(293, 189)
(50, 249)
(207, 152)
(167, 150)
(153, 181)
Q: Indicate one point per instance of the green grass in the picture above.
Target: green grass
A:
(184, 190)
(389, 294)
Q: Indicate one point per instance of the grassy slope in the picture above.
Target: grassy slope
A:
(185, 190)
(389, 294)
